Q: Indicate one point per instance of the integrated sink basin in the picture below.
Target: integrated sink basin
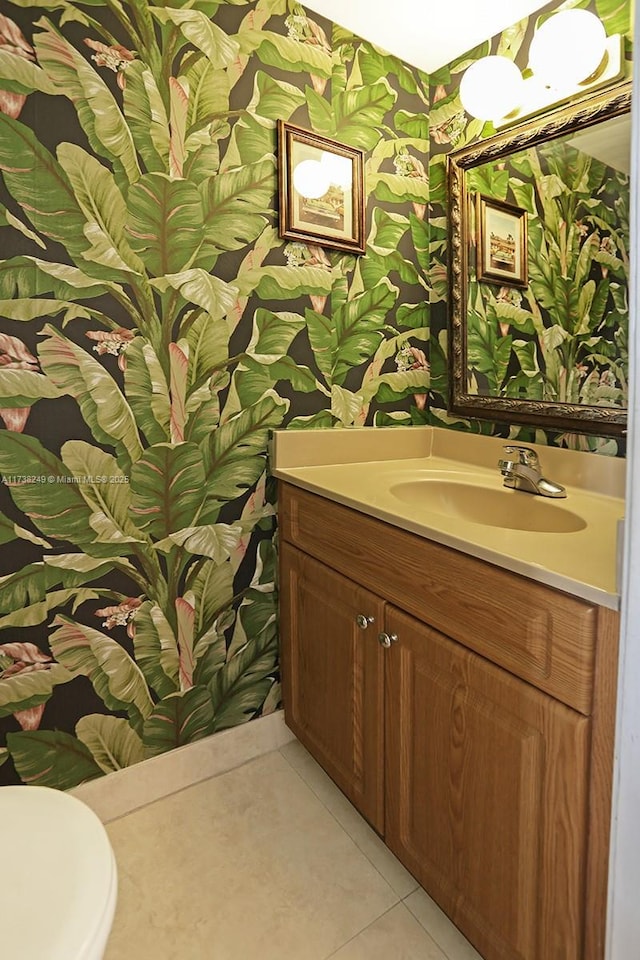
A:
(445, 486)
(510, 509)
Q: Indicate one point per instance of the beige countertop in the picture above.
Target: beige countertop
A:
(363, 468)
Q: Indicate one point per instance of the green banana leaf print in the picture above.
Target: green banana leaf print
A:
(563, 338)
(154, 329)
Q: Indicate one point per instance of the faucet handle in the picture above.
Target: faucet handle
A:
(526, 456)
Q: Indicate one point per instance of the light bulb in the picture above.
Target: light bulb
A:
(567, 48)
(338, 169)
(310, 179)
(491, 88)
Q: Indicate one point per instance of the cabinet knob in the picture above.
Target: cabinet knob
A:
(363, 622)
(387, 639)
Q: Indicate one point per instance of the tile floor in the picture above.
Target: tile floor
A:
(267, 862)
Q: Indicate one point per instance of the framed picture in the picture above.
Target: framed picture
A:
(502, 242)
(321, 190)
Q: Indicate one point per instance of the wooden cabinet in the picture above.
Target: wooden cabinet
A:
(479, 743)
(333, 684)
(486, 795)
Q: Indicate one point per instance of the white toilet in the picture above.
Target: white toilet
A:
(58, 877)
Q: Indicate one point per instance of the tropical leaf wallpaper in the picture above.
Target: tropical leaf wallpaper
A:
(153, 329)
(565, 337)
(582, 355)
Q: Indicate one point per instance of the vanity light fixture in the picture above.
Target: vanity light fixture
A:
(570, 54)
(491, 87)
(567, 48)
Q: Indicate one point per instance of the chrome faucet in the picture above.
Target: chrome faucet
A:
(522, 471)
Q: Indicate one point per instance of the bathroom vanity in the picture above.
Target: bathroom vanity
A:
(460, 692)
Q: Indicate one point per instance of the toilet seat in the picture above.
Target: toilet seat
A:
(58, 882)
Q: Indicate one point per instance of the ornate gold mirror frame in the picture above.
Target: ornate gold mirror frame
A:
(462, 208)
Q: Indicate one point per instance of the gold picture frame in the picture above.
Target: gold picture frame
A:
(320, 190)
(501, 242)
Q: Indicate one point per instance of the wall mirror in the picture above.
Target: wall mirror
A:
(539, 268)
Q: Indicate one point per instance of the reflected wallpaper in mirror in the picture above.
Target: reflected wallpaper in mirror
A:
(557, 346)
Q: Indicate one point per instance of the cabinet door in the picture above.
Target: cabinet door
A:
(332, 674)
(486, 795)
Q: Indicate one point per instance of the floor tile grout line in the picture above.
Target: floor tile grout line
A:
(149, 803)
(360, 932)
(384, 913)
(189, 786)
(355, 843)
(440, 947)
(437, 944)
(400, 899)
